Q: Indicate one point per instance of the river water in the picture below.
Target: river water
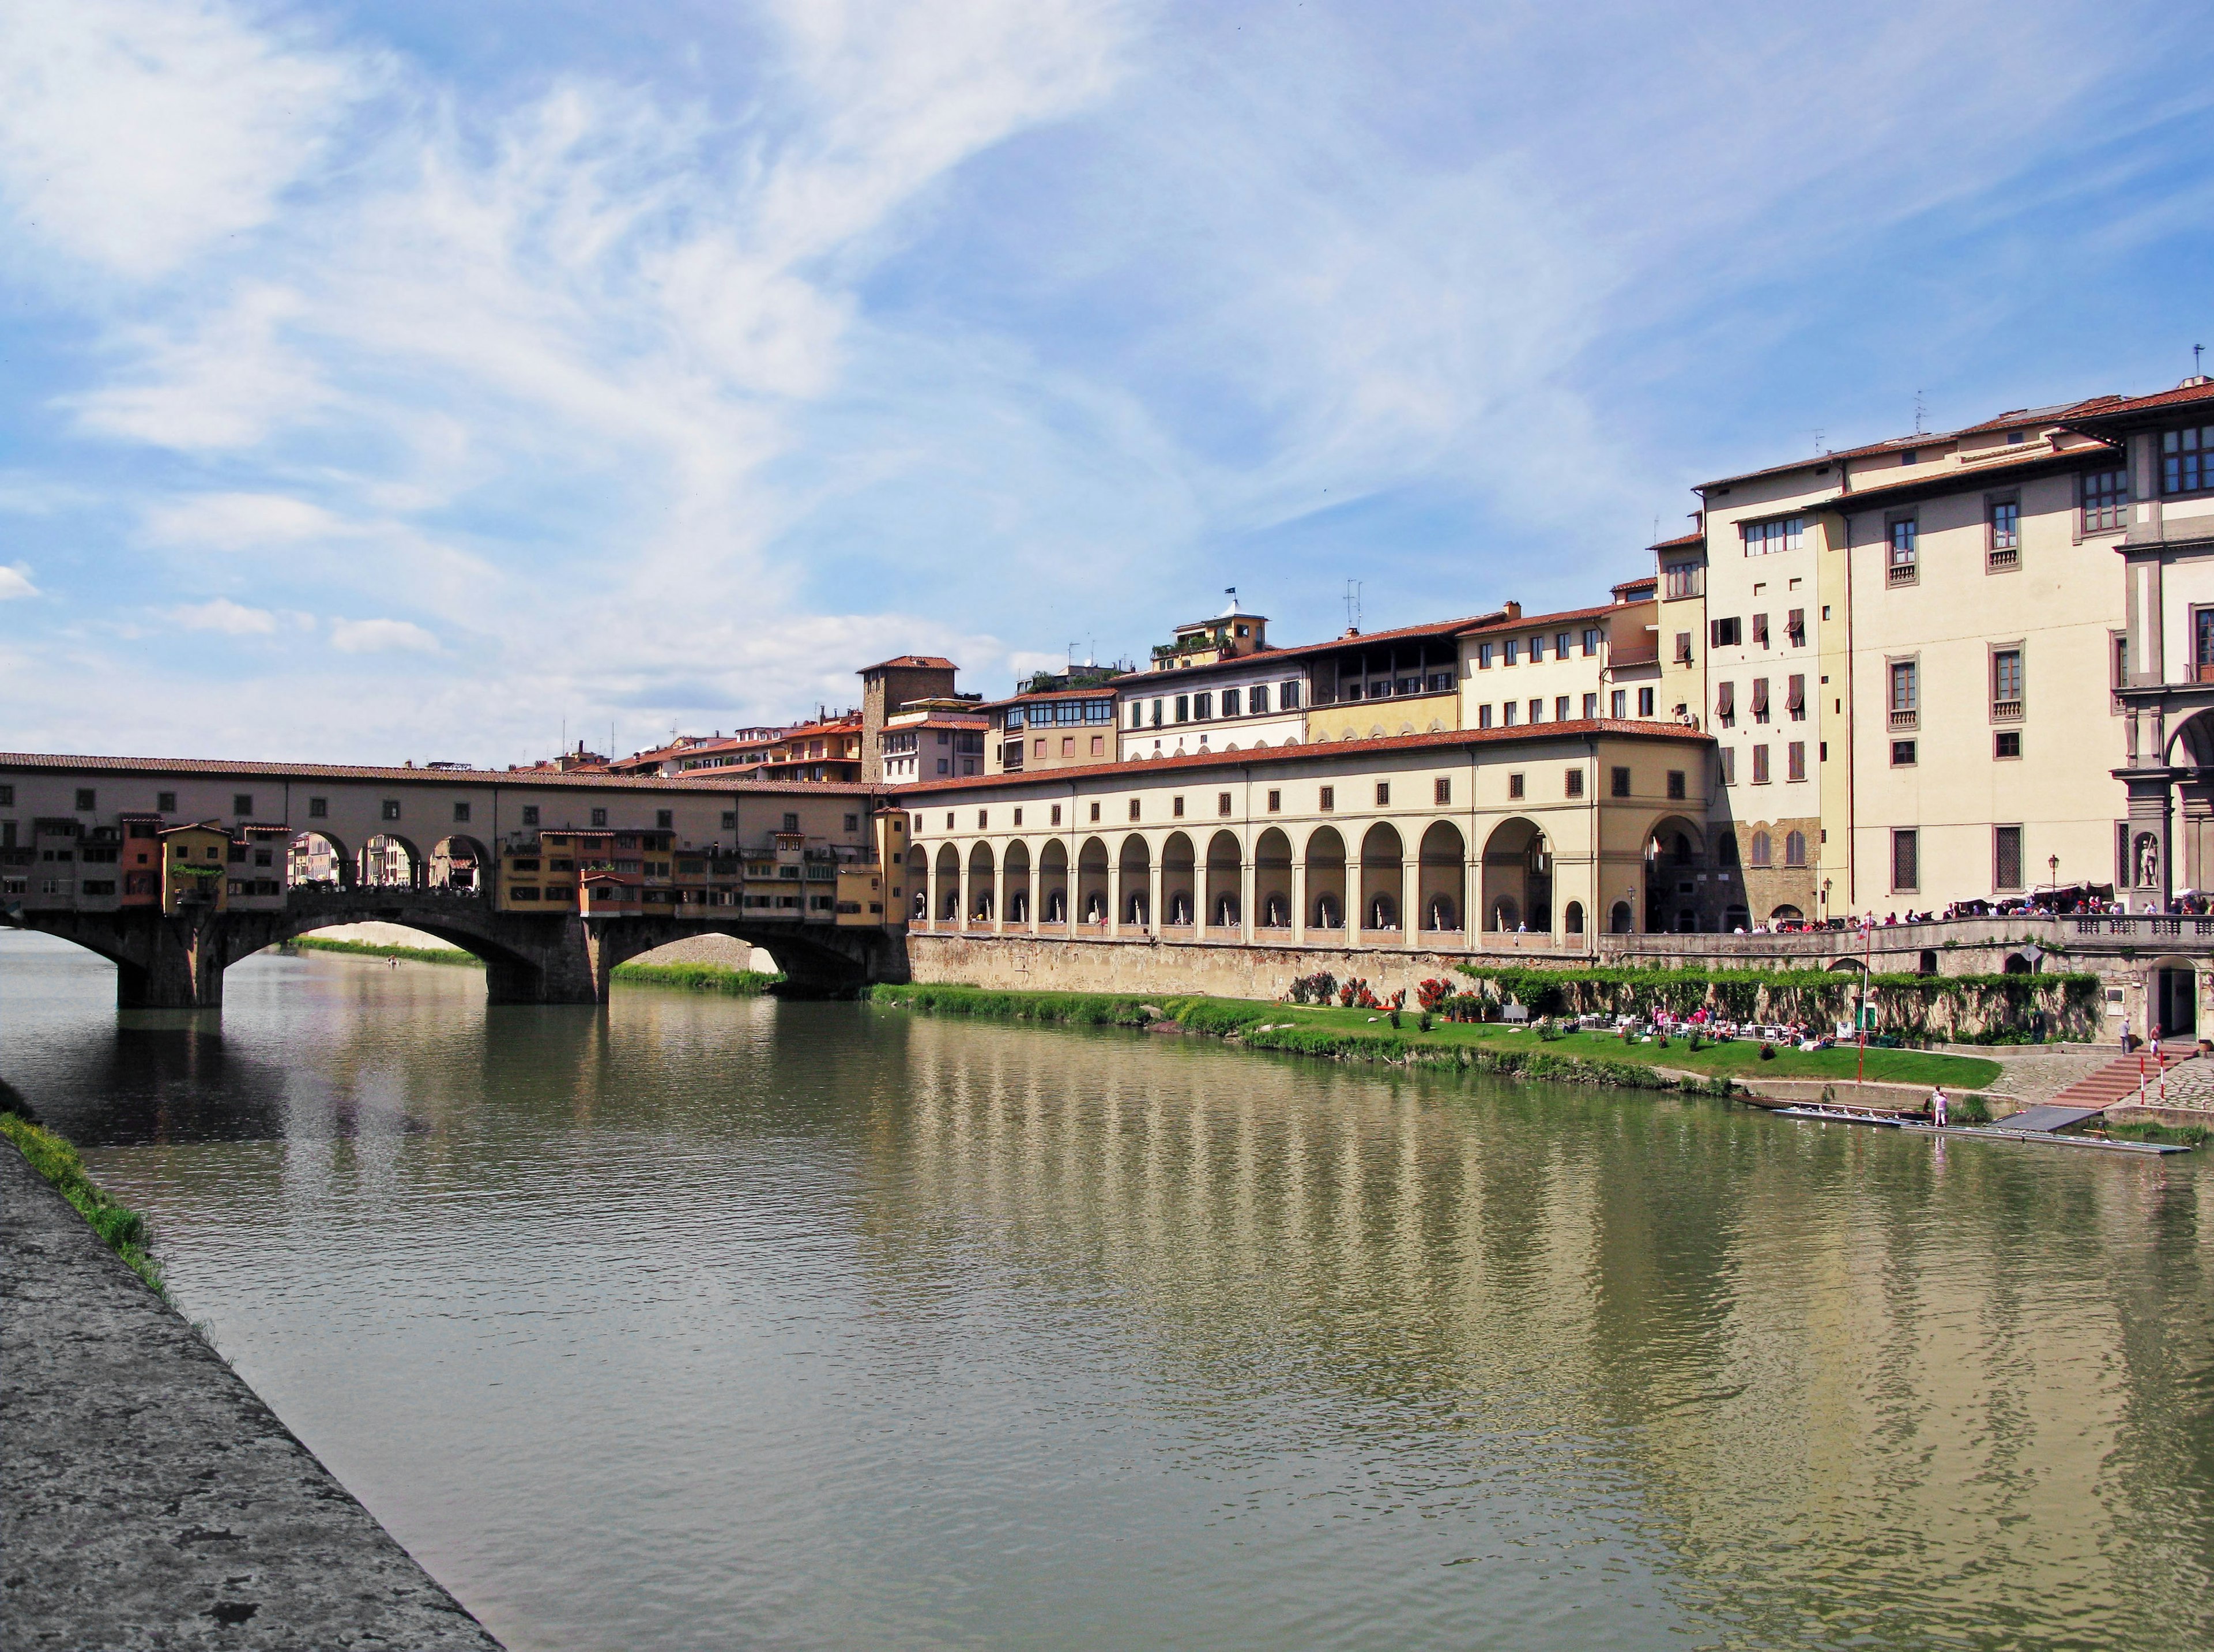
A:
(700, 1323)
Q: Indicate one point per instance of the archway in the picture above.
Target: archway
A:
(1383, 877)
(1325, 859)
(389, 861)
(1179, 893)
(1015, 878)
(1518, 878)
(945, 895)
(315, 860)
(1136, 861)
(1444, 877)
(1674, 850)
(1092, 882)
(1272, 880)
(460, 865)
(1572, 918)
(1620, 919)
(1053, 883)
(1223, 909)
(980, 884)
(1787, 915)
(917, 885)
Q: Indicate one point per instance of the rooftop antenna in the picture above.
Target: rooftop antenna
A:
(1818, 435)
(2197, 350)
(1353, 605)
(1921, 412)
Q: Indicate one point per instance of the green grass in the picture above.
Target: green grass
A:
(1368, 1035)
(698, 978)
(122, 1228)
(2189, 1136)
(374, 949)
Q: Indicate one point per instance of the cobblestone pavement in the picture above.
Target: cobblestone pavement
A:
(148, 1498)
(2035, 1072)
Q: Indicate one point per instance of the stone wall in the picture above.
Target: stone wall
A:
(1170, 968)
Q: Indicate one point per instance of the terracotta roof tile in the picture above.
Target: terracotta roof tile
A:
(29, 761)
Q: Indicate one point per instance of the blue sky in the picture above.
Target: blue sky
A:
(410, 380)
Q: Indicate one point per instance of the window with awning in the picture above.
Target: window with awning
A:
(1794, 697)
(1760, 697)
(1725, 702)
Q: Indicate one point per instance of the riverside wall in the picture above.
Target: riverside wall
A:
(148, 1496)
(1168, 968)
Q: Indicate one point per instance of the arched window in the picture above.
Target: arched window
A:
(1573, 919)
(1794, 848)
(1761, 849)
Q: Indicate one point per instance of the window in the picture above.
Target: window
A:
(1683, 648)
(1906, 872)
(2003, 544)
(1619, 782)
(1617, 704)
(1902, 754)
(1761, 630)
(1676, 785)
(1383, 794)
(1329, 797)
(1560, 708)
(1724, 633)
(983, 819)
(1256, 698)
(2186, 460)
(1184, 708)
(1575, 783)
(1095, 811)
(530, 814)
(1681, 579)
(1591, 706)
(86, 798)
(1137, 714)
(1288, 697)
(1794, 761)
(1441, 790)
(2006, 743)
(1134, 807)
(1483, 717)
(2006, 683)
(318, 808)
(1230, 700)
(1795, 627)
(1484, 657)
(2006, 857)
(2106, 499)
(1760, 765)
(164, 802)
(791, 821)
(1440, 683)
(1536, 650)
(390, 809)
(1513, 785)
(1509, 651)
(1794, 848)
(1765, 538)
(1645, 702)
(1222, 803)
(853, 821)
(1157, 713)
(1590, 641)
(1905, 541)
(461, 815)
(1726, 764)
(1760, 700)
(1794, 697)
(1055, 820)
(1537, 709)
(1275, 803)
(1509, 715)
(241, 803)
(1764, 852)
(1202, 707)
(1905, 693)
(1176, 808)
(1560, 645)
(1098, 745)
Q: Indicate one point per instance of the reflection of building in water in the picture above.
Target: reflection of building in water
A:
(1638, 1291)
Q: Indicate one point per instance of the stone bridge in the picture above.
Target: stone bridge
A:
(177, 962)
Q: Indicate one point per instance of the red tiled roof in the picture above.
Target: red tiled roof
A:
(1697, 536)
(911, 662)
(2112, 407)
(1578, 728)
(1965, 476)
(1528, 621)
(34, 761)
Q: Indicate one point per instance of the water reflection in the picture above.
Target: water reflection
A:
(697, 1322)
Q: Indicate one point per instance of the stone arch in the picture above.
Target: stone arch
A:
(391, 861)
(1518, 877)
(1675, 847)
(1092, 882)
(1325, 854)
(1015, 882)
(315, 857)
(1053, 883)
(1383, 877)
(1786, 914)
(2191, 745)
(1272, 880)
(1224, 904)
(1136, 861)
(1572, 918)
(1444, 877)
(946, 890)
(462, 865)
(1180, 893)
(1620, 919)
(918, 884)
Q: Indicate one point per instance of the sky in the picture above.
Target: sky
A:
(416, 381)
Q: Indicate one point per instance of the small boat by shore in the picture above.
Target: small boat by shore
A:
(1999, 1132)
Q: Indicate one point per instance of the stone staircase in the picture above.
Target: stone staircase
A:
(2118, 1081)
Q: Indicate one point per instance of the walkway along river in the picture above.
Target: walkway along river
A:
(696, 1321)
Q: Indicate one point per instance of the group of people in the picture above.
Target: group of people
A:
(1796, 1035)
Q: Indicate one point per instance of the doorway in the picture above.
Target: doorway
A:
(2176, 993)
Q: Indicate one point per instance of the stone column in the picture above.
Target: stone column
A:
(1114, 895)
(1298, 903)
(961, 900)
(2150, 875)
(1410, 899)
(1154, 894)
(1245, 880)
(999, 894)
(2198, 796)
(1069, 908)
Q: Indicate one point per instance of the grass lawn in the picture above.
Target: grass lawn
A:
(1740, 1058)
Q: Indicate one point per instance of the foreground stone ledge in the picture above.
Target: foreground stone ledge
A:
(149, 1499)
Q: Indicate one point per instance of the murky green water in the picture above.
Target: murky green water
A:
(702, 1323)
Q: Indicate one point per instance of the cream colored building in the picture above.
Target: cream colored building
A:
(1460, 838)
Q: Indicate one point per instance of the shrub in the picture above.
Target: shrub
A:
(1767, 1051)
(1316, 988)
(1432, 995)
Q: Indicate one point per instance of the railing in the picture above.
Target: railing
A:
(1906, 719)
(2006, 711)
(2003, 560)
(1901, 573)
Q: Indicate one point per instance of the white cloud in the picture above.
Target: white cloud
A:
(222, 380)
(241, 521)
(133, 133)
(222, 614)
(16, 582)
(381, 637)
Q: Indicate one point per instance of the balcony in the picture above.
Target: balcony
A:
(1902, 573)
(2203, 671)
(1906, 719)
(2006, 711)
(2002, 559)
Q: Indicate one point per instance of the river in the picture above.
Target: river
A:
(702, 1323)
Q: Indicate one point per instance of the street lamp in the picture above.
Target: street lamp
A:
(2053, 867)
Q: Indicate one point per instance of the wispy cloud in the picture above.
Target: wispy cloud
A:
(381, 637)
(16, 582)
(233, 619)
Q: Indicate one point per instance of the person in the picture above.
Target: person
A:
(2126, 1032)
(2037, 1026)
(2153, 1044)
(1937, 1106)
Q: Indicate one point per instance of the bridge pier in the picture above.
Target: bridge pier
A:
(177, 964)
